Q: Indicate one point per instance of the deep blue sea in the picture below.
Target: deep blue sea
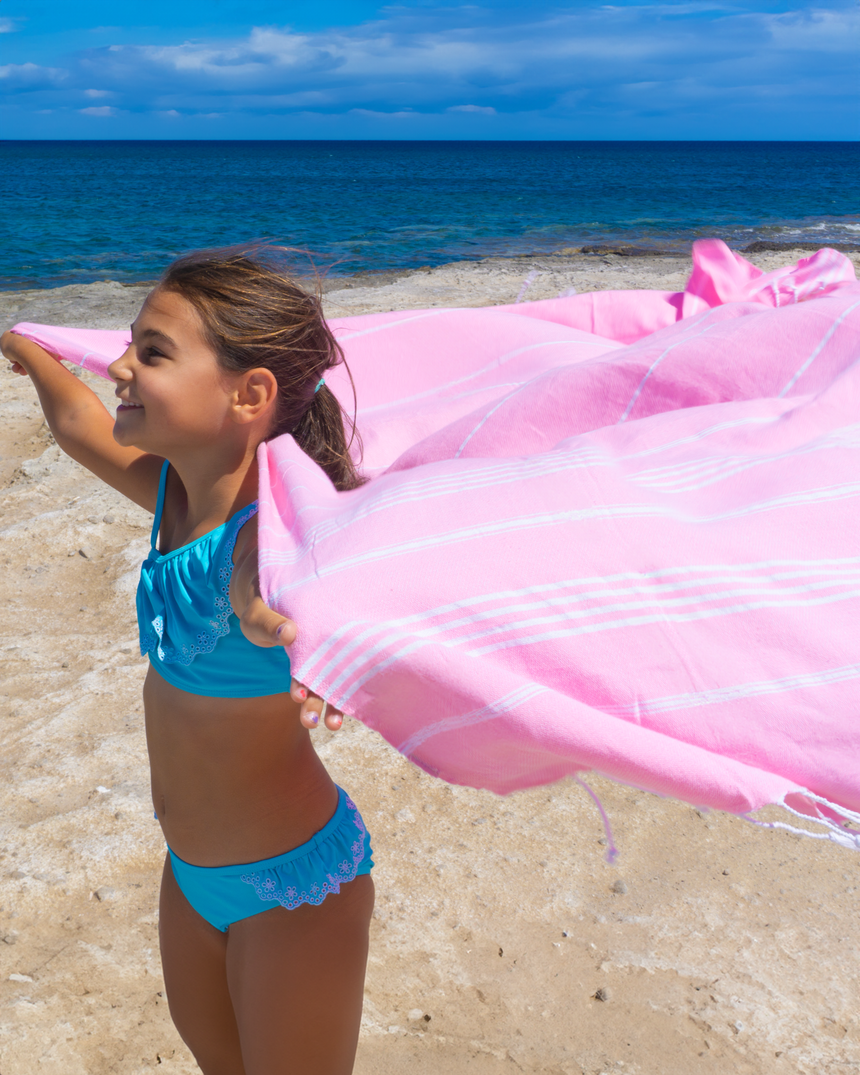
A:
(74, 212)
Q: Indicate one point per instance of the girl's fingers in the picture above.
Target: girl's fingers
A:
(286, 632)
(333, 719)
(265, 627)
(298, 693)
(314, 708)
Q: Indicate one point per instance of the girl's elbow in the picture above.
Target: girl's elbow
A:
(75, 429)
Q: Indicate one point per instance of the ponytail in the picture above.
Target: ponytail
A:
(320, 434)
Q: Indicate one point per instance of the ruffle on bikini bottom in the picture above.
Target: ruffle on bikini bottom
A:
(335, 855)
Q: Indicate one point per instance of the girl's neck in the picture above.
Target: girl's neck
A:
(215, 488)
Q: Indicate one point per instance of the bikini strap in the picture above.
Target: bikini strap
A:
(159, 507)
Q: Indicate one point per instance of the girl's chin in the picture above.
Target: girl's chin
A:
(124, 437)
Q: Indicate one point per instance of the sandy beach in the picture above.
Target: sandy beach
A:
(502, 941)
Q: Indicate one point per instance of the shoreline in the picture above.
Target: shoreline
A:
(331, 280)
(488, 281)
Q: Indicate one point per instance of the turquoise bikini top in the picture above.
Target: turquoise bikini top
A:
(187, 625)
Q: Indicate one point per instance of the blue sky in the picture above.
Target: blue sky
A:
(745, 69)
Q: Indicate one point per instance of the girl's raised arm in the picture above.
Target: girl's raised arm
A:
(81, 424)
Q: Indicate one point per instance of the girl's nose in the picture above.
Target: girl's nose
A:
(119, 369)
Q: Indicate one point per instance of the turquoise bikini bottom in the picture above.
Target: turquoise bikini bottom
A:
(338, 853)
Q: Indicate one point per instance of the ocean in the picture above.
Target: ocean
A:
(75, 212)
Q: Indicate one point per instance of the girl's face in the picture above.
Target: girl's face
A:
(172, 392)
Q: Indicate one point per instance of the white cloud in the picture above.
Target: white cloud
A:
(819, 31)
(481, 109)
(406, 113)
(102, 111)
(30, 75)
(586, 59)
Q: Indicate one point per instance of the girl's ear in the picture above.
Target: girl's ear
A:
(254, 395)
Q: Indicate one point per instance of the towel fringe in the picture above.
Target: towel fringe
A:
(612, 850)
(836, 832)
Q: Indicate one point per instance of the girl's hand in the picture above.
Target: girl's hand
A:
(265, 627)
(8, 345)
(15, 348)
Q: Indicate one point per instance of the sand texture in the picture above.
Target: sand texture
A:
(502, 941)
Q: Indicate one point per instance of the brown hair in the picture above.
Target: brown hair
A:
(256, 315)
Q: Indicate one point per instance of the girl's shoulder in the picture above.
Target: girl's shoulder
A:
(135, 475)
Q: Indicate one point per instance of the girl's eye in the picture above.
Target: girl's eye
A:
(149, 353)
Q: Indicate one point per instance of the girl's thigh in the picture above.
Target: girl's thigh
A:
(194, 962)
(297, 983)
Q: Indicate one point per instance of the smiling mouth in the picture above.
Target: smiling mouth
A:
(127, 406)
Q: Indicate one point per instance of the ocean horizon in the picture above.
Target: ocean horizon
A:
(82, 211)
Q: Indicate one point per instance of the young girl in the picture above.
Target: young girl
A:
(266, 895)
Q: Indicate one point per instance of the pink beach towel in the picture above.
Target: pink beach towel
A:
(613, 532)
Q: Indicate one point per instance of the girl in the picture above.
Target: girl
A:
(266, 894)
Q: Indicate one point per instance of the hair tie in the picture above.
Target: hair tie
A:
(320, 383)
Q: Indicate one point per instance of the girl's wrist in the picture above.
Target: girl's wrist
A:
(25, 353)
(10, 343)
(12, 353)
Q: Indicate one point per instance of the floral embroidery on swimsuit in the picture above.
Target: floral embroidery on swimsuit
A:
(315, 892)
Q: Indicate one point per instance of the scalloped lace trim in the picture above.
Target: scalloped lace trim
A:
(291, 897)
(205, 641)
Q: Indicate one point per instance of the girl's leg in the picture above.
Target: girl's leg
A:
(297, 983)
(194, 961)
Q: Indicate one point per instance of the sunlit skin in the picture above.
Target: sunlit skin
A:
(233, 780)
